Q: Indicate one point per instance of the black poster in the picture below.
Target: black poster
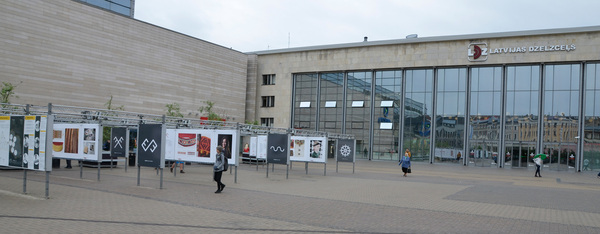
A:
(118, 139)
(150, 145)
(345, 150)
(277, 148)
(15, 153)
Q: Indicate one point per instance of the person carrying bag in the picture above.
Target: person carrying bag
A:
(405, 162)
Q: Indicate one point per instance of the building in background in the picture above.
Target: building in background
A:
(485, 100)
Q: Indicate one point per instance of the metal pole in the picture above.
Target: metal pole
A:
(80, 169)
(47, 184)
(161, 178)
(235, 177)
(24, 181)
(336, 167)
(267, 170)
(287, 171)
(99, 161)
(138, 177)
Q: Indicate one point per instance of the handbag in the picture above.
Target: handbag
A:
(409, 170)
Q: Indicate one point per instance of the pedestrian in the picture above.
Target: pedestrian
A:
(538, 165)
(218, 169)
(180, 166)
(405, 162)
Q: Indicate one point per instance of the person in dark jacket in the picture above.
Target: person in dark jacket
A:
(218, 169)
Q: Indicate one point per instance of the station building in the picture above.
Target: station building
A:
(489, 100)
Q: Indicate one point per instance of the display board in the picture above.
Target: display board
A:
(308, 149)
(118, 142)
(23, 142)
(277, 148)
(200, 145)
(77, 141)
(253, 145)
(345, 150)
(151, 148)
(261, 147)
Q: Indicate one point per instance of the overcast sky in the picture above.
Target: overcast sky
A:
(256, 25)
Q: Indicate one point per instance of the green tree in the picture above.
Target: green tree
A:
(174, 110)
(8, 91)
(109, 106)
(208, 109)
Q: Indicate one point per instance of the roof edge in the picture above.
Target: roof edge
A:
(434, 39)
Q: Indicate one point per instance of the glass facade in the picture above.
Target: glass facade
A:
(487, 116)
(358, 109)
(418, 110)
(561, 114)
(450, 114)
(386, 127)
(305, 101)
(591, 120)
(484, 115)
(123, 7)
(522, 114)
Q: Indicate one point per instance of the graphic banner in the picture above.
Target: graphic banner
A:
(344, 150)
(23, 142)
(308, 149)
(151, 149)
(200, 145)
(277, 148)
(77, 141)
(118, 140)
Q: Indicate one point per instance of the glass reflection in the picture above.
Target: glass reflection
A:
(388, 87)
(417, 113)
(450, 115)
(484, 116)
(561, 98)
(591, 125)
(358, 118)
(305, 90)
(522, 114)
(332, 91)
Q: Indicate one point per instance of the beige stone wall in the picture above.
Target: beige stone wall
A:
(69, 53)
(412, 55)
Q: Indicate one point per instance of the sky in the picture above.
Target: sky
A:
(258, 25)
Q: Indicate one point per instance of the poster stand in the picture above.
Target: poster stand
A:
(344, 152)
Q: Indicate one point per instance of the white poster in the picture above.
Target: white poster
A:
(253, 146)
(308, 149)
(76, 141)
(200, 145)
(261, 147)
(6, 138)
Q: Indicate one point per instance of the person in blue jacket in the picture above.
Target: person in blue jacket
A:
(405, 162)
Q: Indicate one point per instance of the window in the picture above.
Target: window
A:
(269, 79)
(266, 122)
(268, 101)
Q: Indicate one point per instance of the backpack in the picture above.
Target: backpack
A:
(225, 163)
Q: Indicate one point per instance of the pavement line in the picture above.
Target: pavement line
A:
(176, 225)
(4, 192)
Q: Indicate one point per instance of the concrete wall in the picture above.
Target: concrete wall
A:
(69, 53)
(411, 55)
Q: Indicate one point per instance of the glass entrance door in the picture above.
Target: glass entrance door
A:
(519, 154)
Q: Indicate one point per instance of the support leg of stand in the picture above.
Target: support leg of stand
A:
(24, 181)
(47, 184)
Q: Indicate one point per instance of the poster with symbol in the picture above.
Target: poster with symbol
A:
(150, 145)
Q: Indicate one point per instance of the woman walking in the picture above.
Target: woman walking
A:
(218, 169)
(405, 162)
